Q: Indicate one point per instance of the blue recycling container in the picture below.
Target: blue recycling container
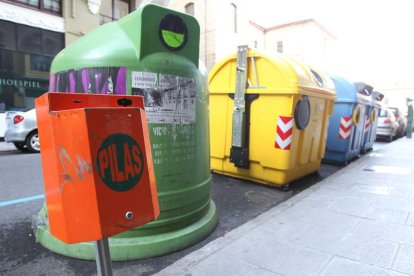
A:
(371, 121)
(346, 125)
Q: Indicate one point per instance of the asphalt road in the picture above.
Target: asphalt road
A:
(238, 201)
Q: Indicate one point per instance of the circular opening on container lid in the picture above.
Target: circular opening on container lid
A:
(302, 113)
(173, 32)
(318, 78)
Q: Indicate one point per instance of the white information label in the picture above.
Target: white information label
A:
(169, 99)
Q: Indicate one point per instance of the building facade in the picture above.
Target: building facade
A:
(29, 39)
(223, 25)
(32, 32)
(226, 24)
(306, 40)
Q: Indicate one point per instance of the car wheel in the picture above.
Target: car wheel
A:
(19, 146)
(32, 142)
(390, 138)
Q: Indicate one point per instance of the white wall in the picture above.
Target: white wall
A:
(397, 97)
(226, 39)
(306, 42)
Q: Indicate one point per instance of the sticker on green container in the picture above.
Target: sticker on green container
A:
(170, 106)
(168, 98)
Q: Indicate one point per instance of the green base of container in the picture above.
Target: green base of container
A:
(133, 248)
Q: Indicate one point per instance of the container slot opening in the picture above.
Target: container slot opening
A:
(124, 102)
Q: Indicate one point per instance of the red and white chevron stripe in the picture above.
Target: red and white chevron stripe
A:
(284, 132)
(345, 128)
(367, 123)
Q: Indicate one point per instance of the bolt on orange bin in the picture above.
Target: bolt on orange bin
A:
(268, 117)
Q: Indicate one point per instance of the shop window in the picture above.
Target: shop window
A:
(52, 6)
(26, 54)
(21, 82)
(52, 43)
(29, 39)
(7, 35)
(29, 2)
(189, 9)
(32, 40)
(120, 9)
(40, 63)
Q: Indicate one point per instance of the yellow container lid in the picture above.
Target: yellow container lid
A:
(270, 73)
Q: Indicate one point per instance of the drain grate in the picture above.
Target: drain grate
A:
(388, 169)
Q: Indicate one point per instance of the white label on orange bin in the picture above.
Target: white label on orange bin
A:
(284, 132)
(345, 128)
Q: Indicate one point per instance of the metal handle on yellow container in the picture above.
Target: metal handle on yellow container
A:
(239, 152)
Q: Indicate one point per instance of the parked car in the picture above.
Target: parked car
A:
(21, 130)
(388, 125)
(401, 119)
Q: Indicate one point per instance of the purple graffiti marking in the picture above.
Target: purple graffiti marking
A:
(85, 80)
(72, 82)
(120, 88)
(100, 80)
(52, 82)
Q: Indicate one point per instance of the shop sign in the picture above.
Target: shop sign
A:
(20, 83)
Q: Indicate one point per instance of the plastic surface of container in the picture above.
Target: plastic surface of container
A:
(153, 52)
(275, 129)
(347, 123)
(371, 119)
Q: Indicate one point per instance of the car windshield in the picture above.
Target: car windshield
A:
(383, 113)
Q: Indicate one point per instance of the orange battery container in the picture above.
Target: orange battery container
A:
(97, 165)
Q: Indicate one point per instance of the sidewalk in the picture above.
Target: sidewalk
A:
(6, 146)
(359, 221)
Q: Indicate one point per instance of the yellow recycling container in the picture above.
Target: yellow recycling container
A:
(268, 117)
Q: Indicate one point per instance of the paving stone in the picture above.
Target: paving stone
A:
(319, 237)
(390, 214)
(367, 250)
(232, 266)
(354, 222)
(405, 260)
(351, 205)
(386, 231)
(345, 267)
(410, 220)
(316, 216)
(261, 249)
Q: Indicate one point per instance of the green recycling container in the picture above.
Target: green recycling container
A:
(153, 52)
